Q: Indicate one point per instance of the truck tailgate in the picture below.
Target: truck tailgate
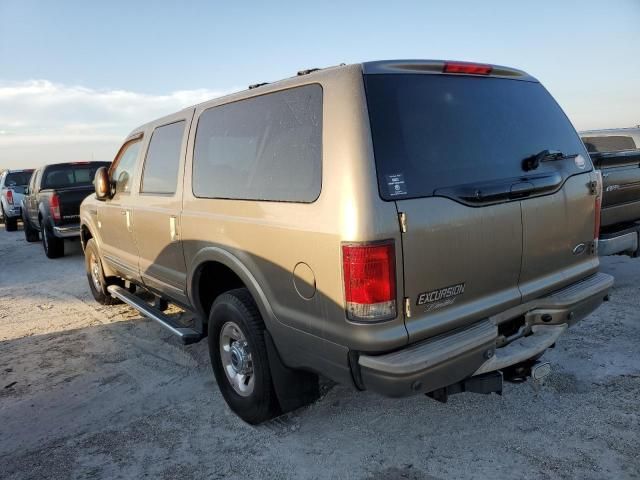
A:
(70, 200)
(621, 179)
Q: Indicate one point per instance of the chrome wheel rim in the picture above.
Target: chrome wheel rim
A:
(237, 361)
(94, 267)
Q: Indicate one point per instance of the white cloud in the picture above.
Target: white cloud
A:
(43, 122)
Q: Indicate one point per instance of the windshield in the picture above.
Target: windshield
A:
(437, 131)
(70, 175)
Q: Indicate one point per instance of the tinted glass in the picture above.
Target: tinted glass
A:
(18, 179)
(438, 131)
(163, 157)
(612, 143)
(262, 148)
(122, 173)
(70, 175)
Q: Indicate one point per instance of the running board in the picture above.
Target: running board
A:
(186, 334)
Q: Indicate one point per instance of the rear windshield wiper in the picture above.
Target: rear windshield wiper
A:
(533, 162)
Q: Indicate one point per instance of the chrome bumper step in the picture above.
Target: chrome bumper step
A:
(186, 334)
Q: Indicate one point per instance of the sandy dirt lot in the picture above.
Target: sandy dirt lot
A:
(97, 392)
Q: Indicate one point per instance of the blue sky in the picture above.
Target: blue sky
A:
(77, 76)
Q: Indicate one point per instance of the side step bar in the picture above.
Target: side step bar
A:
(186, 334)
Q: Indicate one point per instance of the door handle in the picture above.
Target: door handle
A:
(127, 214)
(173, 229)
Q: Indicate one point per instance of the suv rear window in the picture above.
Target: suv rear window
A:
(262, 148)
(438, 131)
(610, 143)
(62, 176)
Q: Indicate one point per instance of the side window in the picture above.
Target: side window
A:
(124, 166)
(262, 148)
(163, 158)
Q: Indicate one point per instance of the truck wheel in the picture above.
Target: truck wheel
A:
(239, 357)
(10, 224)
(30, 233)
(53, 246)
(95, 274)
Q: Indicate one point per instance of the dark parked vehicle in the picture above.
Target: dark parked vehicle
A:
(51, 204)
(616, 153)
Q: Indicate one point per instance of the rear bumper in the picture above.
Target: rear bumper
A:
(450, 358)
(67, 231)
(626, 242)
(13, 211)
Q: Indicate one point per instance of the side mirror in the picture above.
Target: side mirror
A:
(101, 184)
(26, 190)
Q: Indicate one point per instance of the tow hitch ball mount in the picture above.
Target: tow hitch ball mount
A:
(492, 382)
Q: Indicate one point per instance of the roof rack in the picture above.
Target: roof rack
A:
(307, 71)
(256, 85)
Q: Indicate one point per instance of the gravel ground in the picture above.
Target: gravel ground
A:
(97, 392)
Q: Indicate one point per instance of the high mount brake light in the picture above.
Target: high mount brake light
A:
(10, 197)
(370, 281)
(468, 68)
(54, 206)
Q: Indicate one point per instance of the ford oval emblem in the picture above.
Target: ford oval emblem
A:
(579, 249)
(580, 162)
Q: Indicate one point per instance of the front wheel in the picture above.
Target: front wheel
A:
(95, 274)
(239, 357)
(10, 224)
(30, 233)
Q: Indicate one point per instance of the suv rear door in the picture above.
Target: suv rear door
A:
(449, 150)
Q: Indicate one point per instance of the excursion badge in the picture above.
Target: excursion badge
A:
(441, 297)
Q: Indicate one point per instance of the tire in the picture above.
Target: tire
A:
(254, 399)
(30, 233)
(53, 246)
(95, 275)
(10, 224)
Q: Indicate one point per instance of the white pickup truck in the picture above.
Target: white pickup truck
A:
(12, 188)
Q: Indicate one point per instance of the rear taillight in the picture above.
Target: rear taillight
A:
(369, 281)
(54, 206)
(598, 209)
(468, 68)
(10, 197)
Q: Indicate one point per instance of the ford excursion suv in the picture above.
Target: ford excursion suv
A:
(616, 153)
(400, 226)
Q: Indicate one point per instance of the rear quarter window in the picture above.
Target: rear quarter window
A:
(262, 148)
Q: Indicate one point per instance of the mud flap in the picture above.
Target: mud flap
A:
(294, 388)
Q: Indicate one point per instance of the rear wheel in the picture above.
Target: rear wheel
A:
(10, 224)
(30, 233)
(239, 357)
(95, 274)
(53, 246)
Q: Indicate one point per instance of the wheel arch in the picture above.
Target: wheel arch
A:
(221, 258)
